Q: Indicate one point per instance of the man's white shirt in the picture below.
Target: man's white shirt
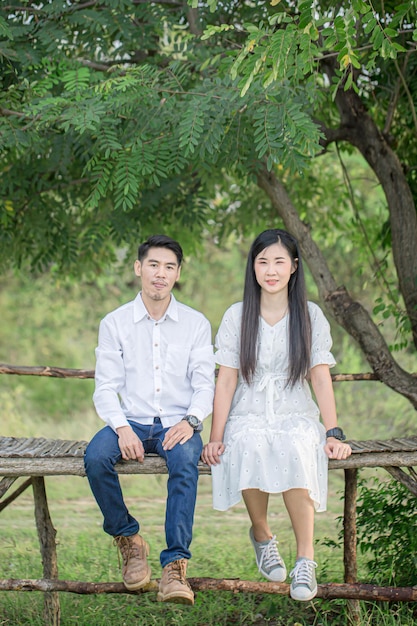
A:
(149, 368)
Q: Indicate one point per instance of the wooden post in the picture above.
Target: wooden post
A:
(349, 555)
(46, 534)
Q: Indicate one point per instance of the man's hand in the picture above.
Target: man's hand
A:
(180, 433)
(212, 451)
(130, 445)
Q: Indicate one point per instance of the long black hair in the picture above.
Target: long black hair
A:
(299, 344)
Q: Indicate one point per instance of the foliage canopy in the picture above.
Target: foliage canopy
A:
(122, 118)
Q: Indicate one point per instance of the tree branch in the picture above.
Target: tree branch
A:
(361, 591)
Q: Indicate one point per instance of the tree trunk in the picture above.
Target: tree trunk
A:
(360, 130)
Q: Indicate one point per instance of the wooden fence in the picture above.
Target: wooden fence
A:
(33, 459)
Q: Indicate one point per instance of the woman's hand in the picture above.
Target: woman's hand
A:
(336, 449)
(212, 452)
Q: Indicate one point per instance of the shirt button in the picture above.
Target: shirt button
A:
(157, 390)
(157, 367)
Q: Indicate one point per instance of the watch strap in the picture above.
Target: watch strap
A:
(337, 433)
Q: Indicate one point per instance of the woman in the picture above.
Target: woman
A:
(266, 436)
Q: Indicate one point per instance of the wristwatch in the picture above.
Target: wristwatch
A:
(337, 433)
(193, 421)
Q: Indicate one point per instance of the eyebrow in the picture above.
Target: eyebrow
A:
(263, 258)
(174, 263)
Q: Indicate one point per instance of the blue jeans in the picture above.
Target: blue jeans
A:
(103, 453)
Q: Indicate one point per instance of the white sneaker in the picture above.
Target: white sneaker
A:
(268, 559)
(303, 585)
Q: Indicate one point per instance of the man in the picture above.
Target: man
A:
(154, 386)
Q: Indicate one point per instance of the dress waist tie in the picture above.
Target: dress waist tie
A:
(268, 382)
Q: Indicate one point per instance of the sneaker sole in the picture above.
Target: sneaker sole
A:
(282, 577)
(307, 598)
(177, 598)
(140, 583)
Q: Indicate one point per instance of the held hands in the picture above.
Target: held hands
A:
(336, 449)
(211, 452)
(130, 445)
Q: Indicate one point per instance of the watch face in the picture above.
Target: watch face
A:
(193, 420)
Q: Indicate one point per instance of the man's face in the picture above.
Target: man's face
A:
(159, 271)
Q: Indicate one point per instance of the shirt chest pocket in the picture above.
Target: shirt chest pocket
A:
(177, 358)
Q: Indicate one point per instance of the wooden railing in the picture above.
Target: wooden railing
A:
(33, 459)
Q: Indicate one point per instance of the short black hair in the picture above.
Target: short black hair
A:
(160, 241)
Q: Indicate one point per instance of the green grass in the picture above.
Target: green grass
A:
(221, 549)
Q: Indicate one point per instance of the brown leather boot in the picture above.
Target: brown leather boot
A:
(173, 586)
(135, 571)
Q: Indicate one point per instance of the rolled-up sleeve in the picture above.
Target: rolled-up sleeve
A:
(110, 377)
(201, 372)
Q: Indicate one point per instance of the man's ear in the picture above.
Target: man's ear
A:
(137, 267)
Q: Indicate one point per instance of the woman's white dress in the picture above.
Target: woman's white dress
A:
(273, 437)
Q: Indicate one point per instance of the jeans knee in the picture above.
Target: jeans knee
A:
(102, 453)
(96, 463)
(90, 463)
(187, 454)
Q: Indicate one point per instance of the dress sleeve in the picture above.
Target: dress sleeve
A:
(321, 338)
(227, 340)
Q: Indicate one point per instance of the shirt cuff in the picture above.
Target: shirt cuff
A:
(197, 412)
(118, 422)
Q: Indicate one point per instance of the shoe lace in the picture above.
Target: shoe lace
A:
(270, 555)
(176, 571)
(303, 572)
(127, 547)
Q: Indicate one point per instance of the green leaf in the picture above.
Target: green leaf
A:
(5, 30)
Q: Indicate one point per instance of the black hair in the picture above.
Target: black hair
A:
(160, 241)
(299, 344)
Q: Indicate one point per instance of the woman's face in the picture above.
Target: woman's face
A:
(273, 268)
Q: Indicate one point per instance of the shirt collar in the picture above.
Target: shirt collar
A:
(140, 310)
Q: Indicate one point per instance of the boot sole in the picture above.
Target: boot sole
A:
(176, 598)
(140, 583)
